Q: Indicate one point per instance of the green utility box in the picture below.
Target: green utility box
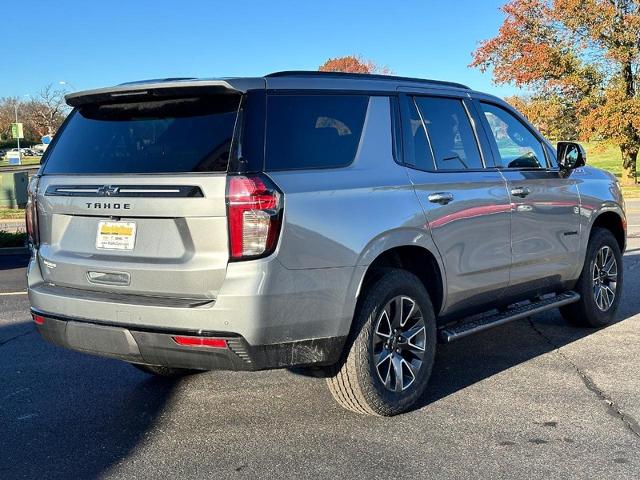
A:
(13, 189)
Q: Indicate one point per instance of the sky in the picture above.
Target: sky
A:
(89, 44)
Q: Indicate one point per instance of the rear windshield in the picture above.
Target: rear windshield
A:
(313, 131)
(166, 136)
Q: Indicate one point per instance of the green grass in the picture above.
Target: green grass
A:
(9, 239)
(606, 156)
(11, 213)
(25, 161)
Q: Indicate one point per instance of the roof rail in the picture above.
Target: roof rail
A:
(363, 76)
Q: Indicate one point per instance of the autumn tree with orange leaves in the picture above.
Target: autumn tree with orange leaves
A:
(353, 64)
(586, 52)
(551, 114)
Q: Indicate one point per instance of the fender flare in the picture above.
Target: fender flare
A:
(400, 237)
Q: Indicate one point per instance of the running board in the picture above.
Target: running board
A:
(463, 329)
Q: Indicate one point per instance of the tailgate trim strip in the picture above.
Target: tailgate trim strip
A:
(124, 191)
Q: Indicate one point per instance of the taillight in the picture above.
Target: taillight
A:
(254, 209)
(31, 212)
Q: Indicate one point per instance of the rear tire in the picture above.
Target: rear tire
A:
(167, 372)
(388, 358)
(600, 283)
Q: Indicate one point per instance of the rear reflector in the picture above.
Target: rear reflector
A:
(39, 319)
(200, 342)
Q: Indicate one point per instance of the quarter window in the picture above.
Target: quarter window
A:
(313, 131)
(451, 138)
(518, 147)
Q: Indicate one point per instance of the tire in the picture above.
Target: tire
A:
(589, 311)
(365, 380)
(167, 372)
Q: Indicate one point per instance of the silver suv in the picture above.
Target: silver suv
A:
(344, 223)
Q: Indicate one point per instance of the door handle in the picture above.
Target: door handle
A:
(520, 191)
(440, 197)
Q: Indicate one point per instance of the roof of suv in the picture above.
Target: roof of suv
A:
(277, 80)
(362, 76)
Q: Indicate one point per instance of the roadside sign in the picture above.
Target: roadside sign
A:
(46, 140)
(16, 130)
(14, 158)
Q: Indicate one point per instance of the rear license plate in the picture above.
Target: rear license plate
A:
(116, 235)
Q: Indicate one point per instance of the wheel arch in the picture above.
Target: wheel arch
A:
(416, 259)
(610, 217)
(615, 223)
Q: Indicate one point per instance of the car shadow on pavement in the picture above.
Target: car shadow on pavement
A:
(10, 262)
(67, 415)
(472, 359)
(468, 361)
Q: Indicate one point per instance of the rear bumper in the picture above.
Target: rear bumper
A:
(158, 347)
(260, 300)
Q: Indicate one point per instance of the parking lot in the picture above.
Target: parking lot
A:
(531, 399)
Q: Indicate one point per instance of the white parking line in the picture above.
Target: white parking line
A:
(12, 293)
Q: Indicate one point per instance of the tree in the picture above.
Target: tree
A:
(551, 114)
(7, 116)
(585, 52)
(46, 112)
(41, 115)
(353, 64)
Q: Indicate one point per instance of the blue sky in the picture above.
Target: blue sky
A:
(97, 43)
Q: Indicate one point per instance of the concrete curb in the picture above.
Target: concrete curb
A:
(14, 251)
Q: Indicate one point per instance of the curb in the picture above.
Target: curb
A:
(14, 251)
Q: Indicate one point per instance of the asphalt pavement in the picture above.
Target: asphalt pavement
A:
(633, 217)
(531, 399)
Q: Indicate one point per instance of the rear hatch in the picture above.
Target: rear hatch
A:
(132, 197)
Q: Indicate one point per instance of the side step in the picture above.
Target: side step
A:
(463, 329)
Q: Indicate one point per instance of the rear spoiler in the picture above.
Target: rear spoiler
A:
(163, 89)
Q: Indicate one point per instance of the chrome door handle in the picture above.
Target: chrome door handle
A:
(520, 191)
(440, 197)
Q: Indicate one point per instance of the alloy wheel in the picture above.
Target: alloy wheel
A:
(399, 343)
(605, 278)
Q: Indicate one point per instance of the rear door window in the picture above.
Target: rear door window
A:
(417, 136)
(163, 136)
(450, 134)
(313, 131)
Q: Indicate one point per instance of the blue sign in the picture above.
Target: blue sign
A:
(46, 139)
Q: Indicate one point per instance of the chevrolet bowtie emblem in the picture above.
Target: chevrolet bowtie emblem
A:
(107, 191)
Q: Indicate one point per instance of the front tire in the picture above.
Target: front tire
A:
(600, 283)
(391, 349)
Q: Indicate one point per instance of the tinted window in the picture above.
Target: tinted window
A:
(178, 135)
(313, 131)
(518, 147)
(452, 139)
(396, 129)
(422, 157)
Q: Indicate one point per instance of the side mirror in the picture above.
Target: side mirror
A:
(571, 155)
